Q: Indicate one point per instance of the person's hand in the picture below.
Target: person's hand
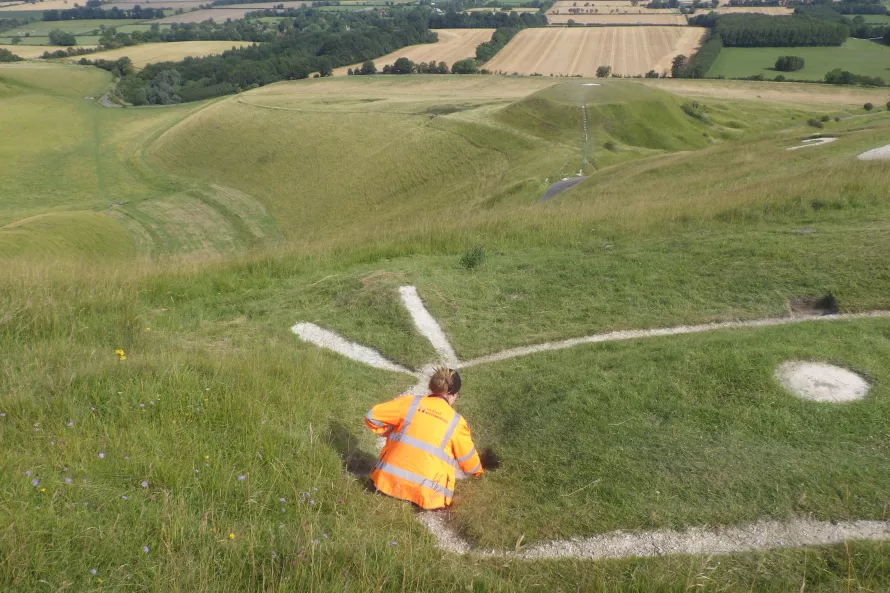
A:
(489, 459)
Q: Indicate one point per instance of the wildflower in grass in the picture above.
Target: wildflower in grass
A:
(311, 501)
(67, 480)
(93, 571)
(148, 329)
(100, 581)
(282, 500)
(144, 484)
(339, 502)
(145, 549)
(101, 455)
(93, 408)
(126, 458)
(121, 355)
(324, 535)
(2, 414)
(141, 405)
(315, 541)
(43, 489)
(70, 424)
(152, 402)
(34, 482)
(274, 554)
(28, 473)
(241, 478)
(231, 536)
(124, 497)
(206, 457)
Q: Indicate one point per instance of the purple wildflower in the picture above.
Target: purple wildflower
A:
(124, 497)
(93, 571)
(28, 472)
(70, 424)
(145, 549)
(311, 501)
(144, 484)
(392, 543)
(101, 455)
(67, 480)
(34, 482)
(241, 478)
(324, 535)
(282, 500)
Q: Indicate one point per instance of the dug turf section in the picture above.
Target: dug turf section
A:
(214, 456)
(453, 45)
(150, 53)
(569, 51)
(860, 56)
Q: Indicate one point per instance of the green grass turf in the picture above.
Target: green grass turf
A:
(715, 221)
(859, 56)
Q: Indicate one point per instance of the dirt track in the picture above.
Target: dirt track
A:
(571, 51)
(453, 45)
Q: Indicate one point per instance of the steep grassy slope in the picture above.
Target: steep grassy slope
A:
(218, 445)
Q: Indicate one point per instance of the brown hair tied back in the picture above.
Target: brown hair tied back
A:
(444, 381)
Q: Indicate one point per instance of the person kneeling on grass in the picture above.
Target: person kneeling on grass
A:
(426, 441)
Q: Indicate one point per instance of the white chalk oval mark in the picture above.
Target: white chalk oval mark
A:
(876, 154)
(821, 382)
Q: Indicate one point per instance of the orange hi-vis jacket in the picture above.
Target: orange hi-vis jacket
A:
(425, 441)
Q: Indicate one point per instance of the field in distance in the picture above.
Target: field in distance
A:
(220, 15)
(664, 17)
(149, 53)
(859, 56)
(453, 45)
(30, 52)
(573, 51)
(773, 10)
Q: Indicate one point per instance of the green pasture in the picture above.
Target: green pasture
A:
(82, 40)
(859, 56)
(212, 458)
(81, 27)
(880, 19)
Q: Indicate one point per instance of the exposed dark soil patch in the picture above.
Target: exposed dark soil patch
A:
(813, 306)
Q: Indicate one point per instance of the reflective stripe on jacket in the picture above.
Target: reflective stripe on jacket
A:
(426, 441)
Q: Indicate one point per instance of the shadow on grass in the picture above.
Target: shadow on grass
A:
(357, 462)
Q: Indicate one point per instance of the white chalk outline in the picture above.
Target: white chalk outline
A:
(814, 142)
(761, 535)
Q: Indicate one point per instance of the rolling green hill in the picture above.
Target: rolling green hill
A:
(214, 454)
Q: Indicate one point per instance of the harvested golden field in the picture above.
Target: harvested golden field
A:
(661, 17)
(149, 53)
(572, 51)
(174, 4)
(48, 5)
(786, 93)
(773, 10)
(453, 45)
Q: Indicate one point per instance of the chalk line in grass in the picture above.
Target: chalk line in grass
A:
(813, 142)
(666, 331)
(427, 325)
(762, 535)
(876, 154)
(328, 339)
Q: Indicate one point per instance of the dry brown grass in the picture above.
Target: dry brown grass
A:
(453, 45)
(570, 51)
(30, 52)
(149, 53)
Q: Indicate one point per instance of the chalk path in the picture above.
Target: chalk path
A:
(762, 535)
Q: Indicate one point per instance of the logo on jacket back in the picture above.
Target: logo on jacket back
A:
(432, 413)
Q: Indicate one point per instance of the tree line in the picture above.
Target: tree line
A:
(93, 11)
(760, 30)
(316, 42)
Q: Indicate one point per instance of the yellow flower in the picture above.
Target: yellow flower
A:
(120, 354)
(231, 536)
(100, 581)
(148, 329)
(43, 489)
(206, 457)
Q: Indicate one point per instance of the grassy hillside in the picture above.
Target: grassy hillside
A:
(860, 56)
(212, 458)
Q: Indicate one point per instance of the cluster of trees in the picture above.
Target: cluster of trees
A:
(316, 42)
(789, 63)
(8, 56)
(760, 30)
(60, 37)
(860, 7)
(486, 20)
(406, 66)
(501, 37)
(93, 10)
(120, 67)
(838, 76)
(698, 65)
